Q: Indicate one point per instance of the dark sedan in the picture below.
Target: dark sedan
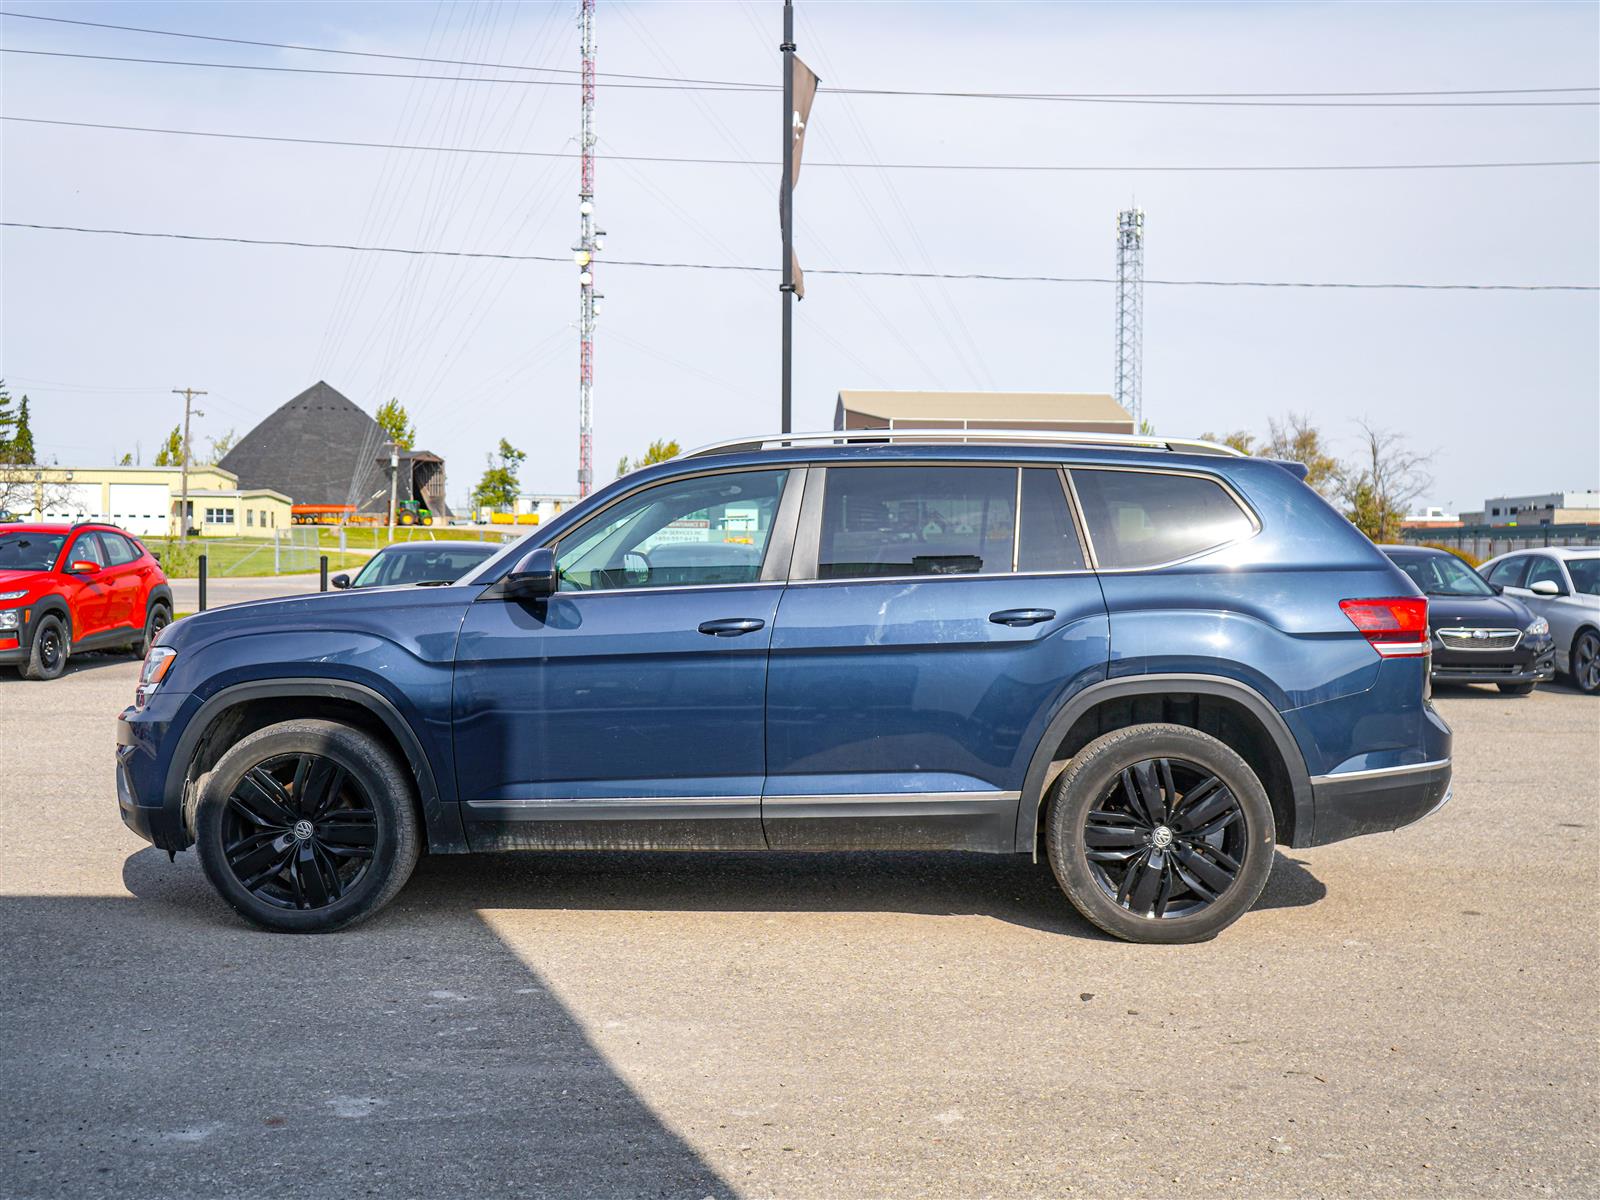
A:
(1478, 635)
(419, 563)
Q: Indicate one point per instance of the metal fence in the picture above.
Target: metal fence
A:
(1486, 541)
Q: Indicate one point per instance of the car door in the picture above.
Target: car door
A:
(124, 575)
(1567, 609)
(922, 642)
(88, 592)
(626, 709)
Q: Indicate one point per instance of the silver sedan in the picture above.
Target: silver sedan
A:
(1562, 585)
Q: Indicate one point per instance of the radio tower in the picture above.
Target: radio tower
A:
(589, 241)
(1130, 314)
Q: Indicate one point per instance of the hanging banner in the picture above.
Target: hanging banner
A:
(805, 90)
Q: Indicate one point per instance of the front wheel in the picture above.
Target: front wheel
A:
(1160, 833)
(307, 826)
(1586, 661)
(47, 656)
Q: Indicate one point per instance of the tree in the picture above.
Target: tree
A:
(21, 449)
(1241, 441)
(396, 424)
(171, 452)
(220, 446)
(498, 487)
(8, 420)
(659, 451)
(1297, 441)
(125, 461)
(1379, 488)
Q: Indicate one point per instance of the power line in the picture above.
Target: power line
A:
(566, 260)
(756, 162)
(765, 87)
(1073, 98)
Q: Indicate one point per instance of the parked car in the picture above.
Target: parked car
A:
(1478, 635)
(70, 588)
(418, 562)
(1150, 662)
(1562, 585)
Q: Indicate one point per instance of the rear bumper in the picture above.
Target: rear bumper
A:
(1356, 802)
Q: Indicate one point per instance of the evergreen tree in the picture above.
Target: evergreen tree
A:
(21, 449)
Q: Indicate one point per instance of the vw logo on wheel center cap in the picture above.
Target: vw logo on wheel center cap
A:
(1161, 838)
(303, 831)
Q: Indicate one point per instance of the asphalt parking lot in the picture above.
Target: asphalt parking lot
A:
(1413, 1014)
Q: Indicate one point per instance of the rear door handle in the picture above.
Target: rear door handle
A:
(731, 626)
(1018, 617)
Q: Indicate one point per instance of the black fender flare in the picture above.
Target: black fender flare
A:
(160, 594)
(441, 820)
(1155, 685)
(47, 606)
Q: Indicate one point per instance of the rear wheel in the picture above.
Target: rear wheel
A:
(307, 826)
(1160, 833)
(1516, 689)
(1586, 661)
(47, 657)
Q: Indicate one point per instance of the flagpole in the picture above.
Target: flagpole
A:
(786, 211)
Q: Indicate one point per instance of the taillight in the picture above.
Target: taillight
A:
(1396, 626)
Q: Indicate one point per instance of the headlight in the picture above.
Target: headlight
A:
(1539, 628)
(9, 617)
(156, 665)
(13, 595)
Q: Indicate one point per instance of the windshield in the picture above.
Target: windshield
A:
(1443, 575)
(29, 551)
(1585, 574)
(421, 564)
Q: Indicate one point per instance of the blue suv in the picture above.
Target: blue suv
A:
(1149, 661)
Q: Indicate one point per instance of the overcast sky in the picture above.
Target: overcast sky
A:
(1502, 389)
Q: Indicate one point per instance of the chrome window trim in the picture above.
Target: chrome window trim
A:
(1016, 523)
(1256, 525)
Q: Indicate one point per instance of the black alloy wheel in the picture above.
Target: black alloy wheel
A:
(307, 826)
(1586, 661)
(299, 831)
(47, 656)
(1166, 839)
(1160, 833)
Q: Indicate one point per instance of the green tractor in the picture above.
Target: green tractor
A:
(413, 512)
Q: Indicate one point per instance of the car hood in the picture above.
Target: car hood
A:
(1482, 612)
(18, 581)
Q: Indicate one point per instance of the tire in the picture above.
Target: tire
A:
(313, 867)
(1516, 689)
(50, 649)
(1121, 870)
(160, 617)
(1585, 661)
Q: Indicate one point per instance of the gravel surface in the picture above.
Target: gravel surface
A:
(1412, 1014)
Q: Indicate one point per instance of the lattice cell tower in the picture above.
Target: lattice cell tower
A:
(590, 240)
(1130, 313)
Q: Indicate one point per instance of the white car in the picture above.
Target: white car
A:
(1562, 585)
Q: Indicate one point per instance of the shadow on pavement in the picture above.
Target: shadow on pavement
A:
(166, 1050)
(77, 664)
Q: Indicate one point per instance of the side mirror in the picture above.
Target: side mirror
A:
(534, 577)
(339, 581)
(82, 566)
(1499, 589)
(1545, 587)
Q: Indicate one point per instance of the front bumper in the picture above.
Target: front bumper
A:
(1533, 660)
(144, 800)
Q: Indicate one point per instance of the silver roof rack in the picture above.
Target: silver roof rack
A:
(1052, 437)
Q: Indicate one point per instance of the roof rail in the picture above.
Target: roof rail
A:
(853, 437)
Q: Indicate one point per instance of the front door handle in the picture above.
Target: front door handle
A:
(731, 626)
(1018, 617)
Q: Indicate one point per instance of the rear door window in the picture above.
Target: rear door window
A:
(1146, 518)
(894, 521)
(119, 551)
(1509, 572)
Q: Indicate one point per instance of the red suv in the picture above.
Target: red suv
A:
(66, 588)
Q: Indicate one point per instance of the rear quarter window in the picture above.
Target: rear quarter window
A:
(1146, 518)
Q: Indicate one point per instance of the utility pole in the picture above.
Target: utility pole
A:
(1130, 314)
(394, 482)
(590, 240)
(786, 215)
(188, 395)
